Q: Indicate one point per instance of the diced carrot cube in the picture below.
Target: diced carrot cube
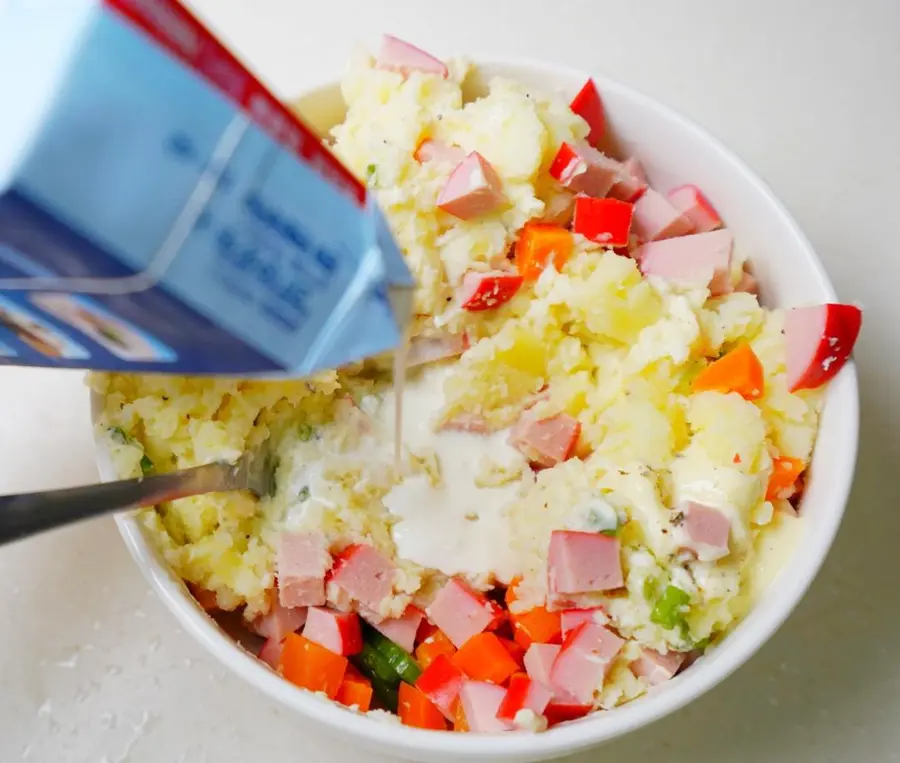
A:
(415, 709)
(785, 472)
(311, 666)
(537, 625)
(433, 646)
(484, 658)
(516, 651)
(540, 244)
(355, 689)
(737, 371)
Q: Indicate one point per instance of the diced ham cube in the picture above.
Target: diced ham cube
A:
(589, 106)
(539, 661)
(582, 663)
(706, 531)
(546, 442)
(431, 150)
(461, 612)
(480, 702)
(363, 575)
(690, 201)
(400, 56)
(430, 349)
(441, 682)
(401, 630)
(819, 340)
(604, 221)
(279, 621)
(302, 561)
(473, 189)
(522, 693)
(570, 619)
(702, 260)
(487, 291)
(656, 668)
(631, 182)
(655, 218)
(339, 632)
(583, 169)
(270, 652)
(582, 562)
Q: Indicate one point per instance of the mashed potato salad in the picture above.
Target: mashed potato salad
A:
(604, 434)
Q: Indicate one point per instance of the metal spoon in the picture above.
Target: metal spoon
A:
(31, 513)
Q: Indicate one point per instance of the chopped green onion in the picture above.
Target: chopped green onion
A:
(146, 465)
(303, 494)
(306, 432)
(370, 172)
(668, 610)
(118, 434)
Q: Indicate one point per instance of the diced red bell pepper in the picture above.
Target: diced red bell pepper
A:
(523, 694)
(339, 632)
(441, 682)
(606, 221)
(560, 712)
(589, 106)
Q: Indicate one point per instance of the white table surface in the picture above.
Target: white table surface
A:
(92, 668)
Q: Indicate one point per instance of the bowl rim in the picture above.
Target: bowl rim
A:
(602, 727)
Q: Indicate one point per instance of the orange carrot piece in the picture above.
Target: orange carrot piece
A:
(484, 658)
(415, 709)
(312, 666)
(516, 651)
(355, 689)
(537, 625)
(459, 718)
(538, 245)
(204, 597)
(510, 595)
(436, 644)
(785, 472)
(737, 371)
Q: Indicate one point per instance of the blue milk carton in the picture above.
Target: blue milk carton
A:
(161, 210)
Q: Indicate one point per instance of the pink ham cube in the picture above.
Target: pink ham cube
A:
(702, 260)
(362, 575)
(523, 693)
(473, 189)
(430, 349)
(436, 151)
(461, 612)
(583, 662)
(401, 630)
(570, 619)
(270, 652)
(539, 661)
(631, 182)
(546, 442)
(279, 621)
(706, 531)
(690, 201)
(583, 169)
(400, 56)
(481, 702)
(655, 218)
(583, 562)
(339, 632)
(656, 668)
(303, 562)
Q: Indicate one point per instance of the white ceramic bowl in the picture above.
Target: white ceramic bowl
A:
(673, 150)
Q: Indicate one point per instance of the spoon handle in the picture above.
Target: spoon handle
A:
(31, 513)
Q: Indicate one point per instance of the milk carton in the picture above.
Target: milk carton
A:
(161, 210)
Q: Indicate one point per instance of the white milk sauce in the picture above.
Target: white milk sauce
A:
(455, 526)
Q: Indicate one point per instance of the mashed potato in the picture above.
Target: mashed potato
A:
(596, 341)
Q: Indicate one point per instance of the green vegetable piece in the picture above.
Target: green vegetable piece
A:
(668, 611)
(118, 435)
(146, 465)
(370, 172)
(303, 494)
(385, 680)
(306, 432)
(650, 585)
(402, 662)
